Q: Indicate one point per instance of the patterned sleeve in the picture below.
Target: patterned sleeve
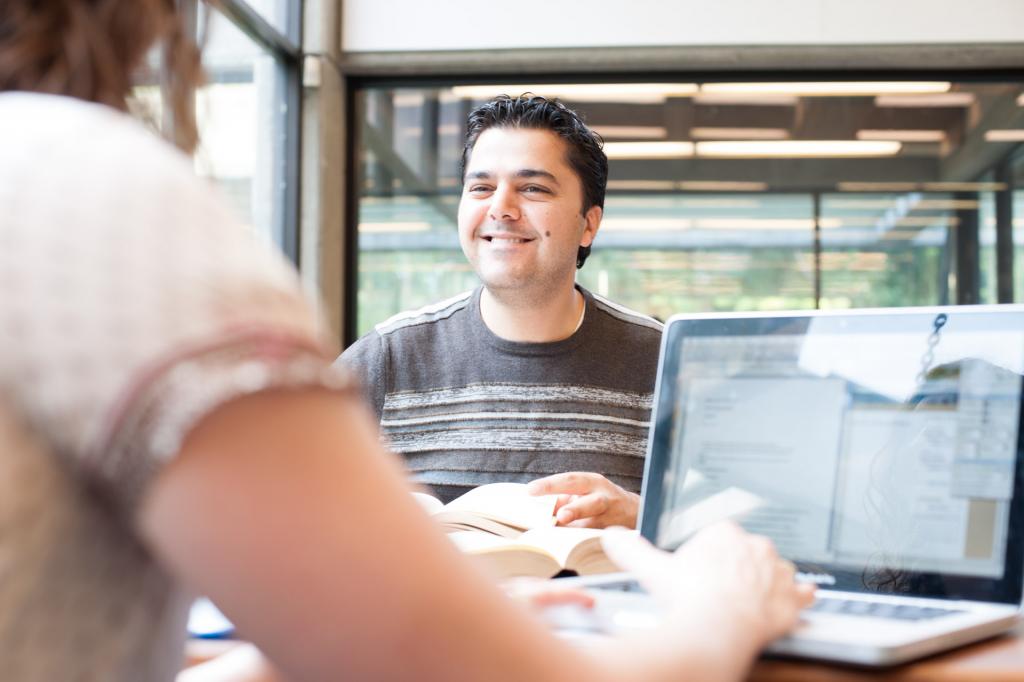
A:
(367, 360)
(136, 303)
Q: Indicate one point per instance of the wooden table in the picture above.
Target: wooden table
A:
(995, 660)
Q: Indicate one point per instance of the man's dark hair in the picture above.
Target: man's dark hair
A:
(585, 156)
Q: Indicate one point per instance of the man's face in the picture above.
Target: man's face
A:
(520, 217)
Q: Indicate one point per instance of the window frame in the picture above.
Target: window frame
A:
(286, 50)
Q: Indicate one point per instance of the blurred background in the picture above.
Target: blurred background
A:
(762, 155)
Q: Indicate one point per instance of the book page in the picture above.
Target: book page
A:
(456, 521)
(506, 557)
(429, 503)
(509, 503)
(577, 549)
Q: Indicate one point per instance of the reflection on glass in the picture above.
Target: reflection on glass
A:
(878, 446)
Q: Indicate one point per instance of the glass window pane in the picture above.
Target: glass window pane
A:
(240, 124)
(721, 196)
(988, 286)
(1018, 244)
(409, 255)
(274, 11)
(146, 101)
(881, 250)
(692, 252)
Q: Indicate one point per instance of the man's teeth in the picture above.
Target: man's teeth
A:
(509, 240)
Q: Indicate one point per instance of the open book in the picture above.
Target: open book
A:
(514, 534)
(504, 509)
(541, 552)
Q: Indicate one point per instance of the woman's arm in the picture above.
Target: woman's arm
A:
(283, 507)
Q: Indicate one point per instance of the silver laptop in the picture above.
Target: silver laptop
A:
(880, 450)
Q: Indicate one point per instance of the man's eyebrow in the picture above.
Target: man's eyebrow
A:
(524, 173)
(536, 173)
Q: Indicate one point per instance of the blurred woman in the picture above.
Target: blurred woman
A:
(170, 425)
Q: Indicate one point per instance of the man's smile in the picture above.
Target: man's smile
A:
(504, 239)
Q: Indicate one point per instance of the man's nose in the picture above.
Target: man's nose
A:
(504, 204)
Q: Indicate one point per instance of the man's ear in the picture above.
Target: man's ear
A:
(591, 223)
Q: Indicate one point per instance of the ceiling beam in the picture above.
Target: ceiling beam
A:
(781, 174)
(851, 60)
(976, 156)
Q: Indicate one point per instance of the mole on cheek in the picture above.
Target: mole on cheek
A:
(547, 233)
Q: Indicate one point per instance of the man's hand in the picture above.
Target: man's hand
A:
(588, 500)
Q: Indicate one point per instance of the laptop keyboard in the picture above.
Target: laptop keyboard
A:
(852, 607)
(846, 607)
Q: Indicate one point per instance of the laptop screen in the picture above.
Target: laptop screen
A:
(880, 450)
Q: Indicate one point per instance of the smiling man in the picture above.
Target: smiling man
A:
(529, 377)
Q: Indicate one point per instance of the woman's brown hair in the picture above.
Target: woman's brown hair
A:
(91, 49)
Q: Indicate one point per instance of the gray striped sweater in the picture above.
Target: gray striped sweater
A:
(466, 407)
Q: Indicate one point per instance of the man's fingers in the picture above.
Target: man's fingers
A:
(583, 507)
(563, 500)
(570, 483)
